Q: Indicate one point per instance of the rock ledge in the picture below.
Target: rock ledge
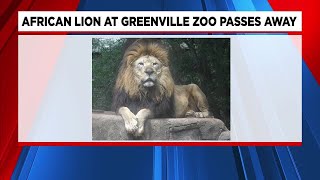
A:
(106, 125)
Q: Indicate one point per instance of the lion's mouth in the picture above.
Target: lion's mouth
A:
(148, 83)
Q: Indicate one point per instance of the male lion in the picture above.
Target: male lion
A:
(145, 89)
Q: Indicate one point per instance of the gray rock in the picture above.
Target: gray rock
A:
(109, 126)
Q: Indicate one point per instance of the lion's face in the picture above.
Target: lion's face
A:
(146, 70)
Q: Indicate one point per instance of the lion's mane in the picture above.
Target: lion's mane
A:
(128, 92)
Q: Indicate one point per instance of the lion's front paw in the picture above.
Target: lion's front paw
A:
(131, 125)
(140, 130)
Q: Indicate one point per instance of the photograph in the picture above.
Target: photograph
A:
(162, 89)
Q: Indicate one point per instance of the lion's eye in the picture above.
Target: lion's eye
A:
(155, 64)
(140, 64)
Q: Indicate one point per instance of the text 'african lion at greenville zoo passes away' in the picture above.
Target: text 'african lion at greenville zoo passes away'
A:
(145, 89)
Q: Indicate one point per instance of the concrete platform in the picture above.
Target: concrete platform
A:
(107, 125)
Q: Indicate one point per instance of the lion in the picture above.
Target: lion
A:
(145, 89)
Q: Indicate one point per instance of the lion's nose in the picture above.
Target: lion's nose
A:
(149, 71)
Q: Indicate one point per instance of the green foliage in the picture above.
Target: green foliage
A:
(205, 62)
(106, 57)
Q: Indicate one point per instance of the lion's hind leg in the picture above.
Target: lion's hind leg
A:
(202, 114)
(200, 101)
(192, 113)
